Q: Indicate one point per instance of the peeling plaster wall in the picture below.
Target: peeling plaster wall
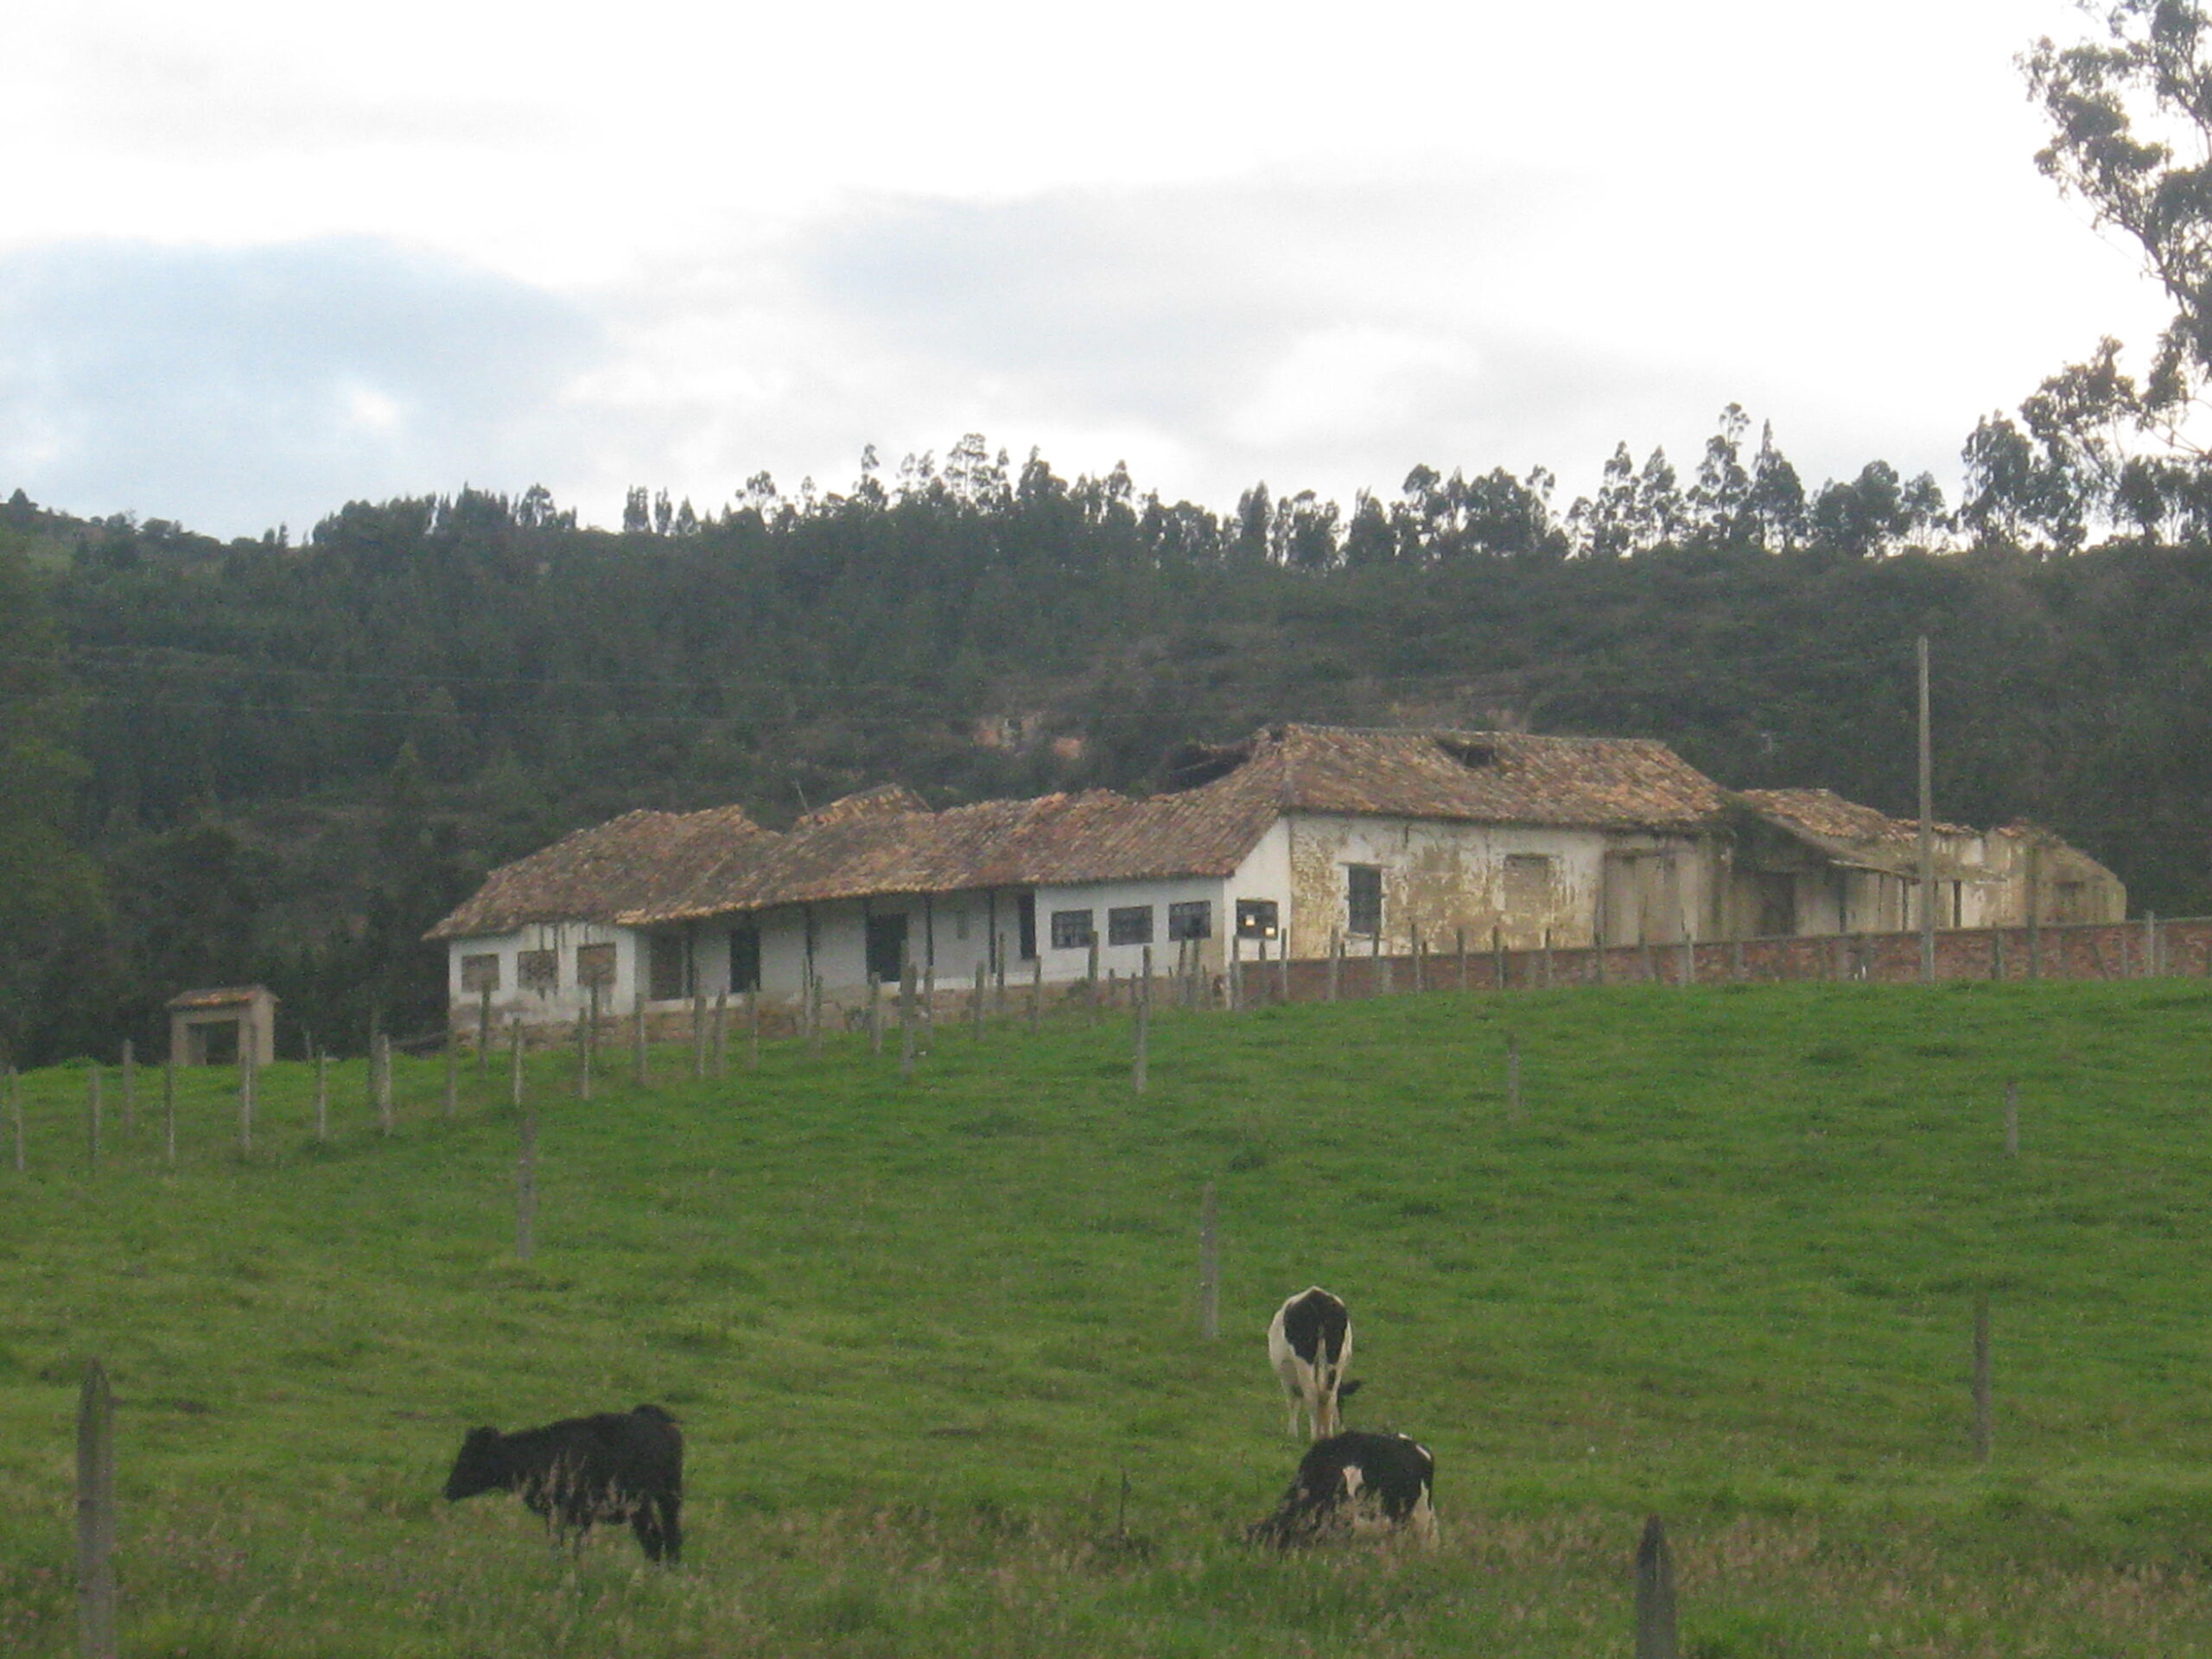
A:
(1440, 877)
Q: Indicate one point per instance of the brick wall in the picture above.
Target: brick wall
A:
(2090, 950)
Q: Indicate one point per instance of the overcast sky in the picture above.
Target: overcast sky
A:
(258, 259)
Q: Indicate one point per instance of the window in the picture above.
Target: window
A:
(1190, 918)
(744, 959)
(1527, 884)
(480, 973)
(1129, 924)
(1072, 929)
(668, 967)
(595, 965)
(1363, 898)
(1024, 926)
(1255, 918)
(539, 971)
(886, 947)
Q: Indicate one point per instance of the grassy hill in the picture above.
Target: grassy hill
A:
(1721, 1267)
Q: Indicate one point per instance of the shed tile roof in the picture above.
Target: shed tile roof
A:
(1860, 836)
(1488, 778)
(594, 874)
(646, 868)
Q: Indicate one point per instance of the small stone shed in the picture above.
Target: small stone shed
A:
(249, 1008)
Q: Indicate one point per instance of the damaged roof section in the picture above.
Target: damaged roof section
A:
(655, 867)
(1859, 838)
(1486, 778)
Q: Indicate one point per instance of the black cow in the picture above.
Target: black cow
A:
(1309, 1343)
(611, 1466)
(1354, 1482)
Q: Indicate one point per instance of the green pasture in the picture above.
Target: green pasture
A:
(935, 1343)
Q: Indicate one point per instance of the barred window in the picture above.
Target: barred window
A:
(595, 965)
(1190, 918)
(539, 971)
(1129, 924)
(480, 973)
(1072, 929)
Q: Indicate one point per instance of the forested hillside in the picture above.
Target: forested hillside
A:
(256, 759)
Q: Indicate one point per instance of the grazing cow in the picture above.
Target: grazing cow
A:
(1356, 1482)
(611, 1466)
(1309, 1343)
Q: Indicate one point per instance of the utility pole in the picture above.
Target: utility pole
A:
(1927, 832)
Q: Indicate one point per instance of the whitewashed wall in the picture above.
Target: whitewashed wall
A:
(567, 999)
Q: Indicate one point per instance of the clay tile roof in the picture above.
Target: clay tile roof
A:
(592, 875)
(885, 800)
(219, 996)
(1857, 835)
(1824, 812)
(1490, 778)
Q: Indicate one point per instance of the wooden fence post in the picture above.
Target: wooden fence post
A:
(1282, 971)
(1036, 992)
(92, 1113)
(321, 1098)
(246, 1068)
(982, 990)
(129, 1085)
(483, 1029)
(1497, 957)
(526, 1185)
(1336, 964)
(1689, 962)
(907, 1020)
(1209, 1268)
(385, 1115)
(1233, 988)
(96, 1527)
(698, 1036)
(1654, 1594)
(1598, 954)
(1091, 977)
(1462, 941)
(875, 1013)
(1143, 1018)
(721, 1036)
(1385, 967)
(1982, 1377)
(640, 1063)
(1420, 984)
(2011, 1117)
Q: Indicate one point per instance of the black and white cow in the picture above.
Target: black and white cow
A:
(1353, 1484)
(1309, 1343)
(612, 1466)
